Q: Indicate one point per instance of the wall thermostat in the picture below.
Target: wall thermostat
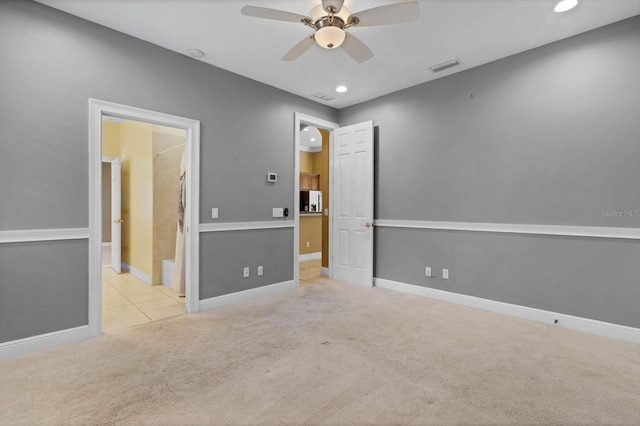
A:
(272, 177)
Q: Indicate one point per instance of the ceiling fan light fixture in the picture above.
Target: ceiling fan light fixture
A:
(330, 37)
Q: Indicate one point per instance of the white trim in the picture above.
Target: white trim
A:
(324, 271)
(600, 328)
(43, 341)
(27, 235)
(515, 228)
(137, 273)
(243, 226)
(225, 299)
(106, 244)
(310, 149)
(298, 120)
(310, 256)
(98, 109)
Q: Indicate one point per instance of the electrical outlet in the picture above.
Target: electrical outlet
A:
(245, 272)
(427, 271)
(445, 274)
(214, 213)
(278, 212)
(260, 270)
(308, 244)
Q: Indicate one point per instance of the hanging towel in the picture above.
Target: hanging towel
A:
(178, 273)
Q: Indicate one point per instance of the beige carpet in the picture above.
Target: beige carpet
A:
(329, 354)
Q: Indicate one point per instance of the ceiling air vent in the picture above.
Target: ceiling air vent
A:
(322, 96)
(444, 65)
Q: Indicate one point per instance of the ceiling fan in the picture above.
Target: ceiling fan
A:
(329, 21)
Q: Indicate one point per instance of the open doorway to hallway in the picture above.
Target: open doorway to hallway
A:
(312, 245)
(314, 203)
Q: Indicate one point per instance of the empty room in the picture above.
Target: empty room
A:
(319, 212)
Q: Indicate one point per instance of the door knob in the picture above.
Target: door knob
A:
(119, 221)
(368, 224)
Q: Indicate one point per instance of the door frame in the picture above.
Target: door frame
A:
(98, 108)
(300, 119)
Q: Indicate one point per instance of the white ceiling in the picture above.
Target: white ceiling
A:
(475, 31)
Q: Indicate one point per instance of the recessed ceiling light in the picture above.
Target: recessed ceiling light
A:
(341, 89)
(306, 129)
(565, 5)
(312, 139)
(196, 53)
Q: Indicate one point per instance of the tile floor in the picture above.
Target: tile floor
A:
(128, 301)
(309, 271)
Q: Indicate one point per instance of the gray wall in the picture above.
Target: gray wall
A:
(37, 279)
(51, 64)
(270, 248)
(549, 136)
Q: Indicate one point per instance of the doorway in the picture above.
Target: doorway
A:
(111, 213)
(312, 198)
(98, 110)
(313, 206)
(350, 210)
(142, 277)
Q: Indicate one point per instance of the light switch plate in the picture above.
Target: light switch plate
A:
(445, 274)
(214, 213)
(260, 270)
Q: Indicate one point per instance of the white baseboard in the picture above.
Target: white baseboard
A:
(324, 271)
(600, 328)
(214, 302)
(310, 256)
(43, 341)
(137, 273)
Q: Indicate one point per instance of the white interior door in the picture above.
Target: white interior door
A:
(116, 219)
(352, 231)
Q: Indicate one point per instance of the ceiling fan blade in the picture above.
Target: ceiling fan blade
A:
(275, 14)
(395, 13)
(337, 4)
(297, 50)
(356, 49)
